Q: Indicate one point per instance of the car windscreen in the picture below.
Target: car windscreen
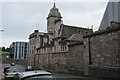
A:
(41, 77)
(12, 70)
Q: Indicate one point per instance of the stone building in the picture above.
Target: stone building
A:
(76, 50)
(50, 50)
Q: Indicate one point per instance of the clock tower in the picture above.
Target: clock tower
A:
(53, 18)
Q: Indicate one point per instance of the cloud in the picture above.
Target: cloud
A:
(20, 18)
(86, 15)
(56, 0)
(0, 15)
(8, 41)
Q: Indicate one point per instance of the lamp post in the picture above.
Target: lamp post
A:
(1, 49)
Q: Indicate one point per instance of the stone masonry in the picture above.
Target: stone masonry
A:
(104, 52)
(76, 50)
(97, 55)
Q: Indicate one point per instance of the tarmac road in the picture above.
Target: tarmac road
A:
(20, 68)
(58, 76)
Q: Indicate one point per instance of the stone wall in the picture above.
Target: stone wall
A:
(51, 61)
(104, 50)
(105, 72)
(75, 61)
(32, 48)
(98, 56)
(104, 53)
(119, 47)
(65, 62)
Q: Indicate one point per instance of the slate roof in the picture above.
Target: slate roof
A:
(75, 37)
(67, 31)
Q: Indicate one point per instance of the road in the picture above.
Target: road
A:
(20, 68)
(58, 76)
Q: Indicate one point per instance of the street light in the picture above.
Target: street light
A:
(2, 30)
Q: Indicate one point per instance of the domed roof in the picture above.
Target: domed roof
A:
(54, 12)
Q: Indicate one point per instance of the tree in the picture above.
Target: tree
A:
(3, 49)
(8, 49)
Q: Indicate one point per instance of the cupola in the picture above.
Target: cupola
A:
(54, 12)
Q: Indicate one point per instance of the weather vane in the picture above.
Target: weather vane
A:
(54, 3)
(37, 26)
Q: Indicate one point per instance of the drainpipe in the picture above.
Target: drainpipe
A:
(86, 56)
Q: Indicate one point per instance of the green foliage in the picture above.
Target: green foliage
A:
(4, 53)
(3, 49)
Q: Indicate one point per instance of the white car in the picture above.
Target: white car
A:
(34, 75)
(10, 73)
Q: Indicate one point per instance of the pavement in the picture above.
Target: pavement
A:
(1, 73)
(61, 76)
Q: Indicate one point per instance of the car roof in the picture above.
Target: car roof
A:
(31, 73)
(6, 66)
(12, 68)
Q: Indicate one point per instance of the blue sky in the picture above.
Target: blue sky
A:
(19, 19)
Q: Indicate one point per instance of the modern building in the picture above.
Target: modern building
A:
(19, 50)
(112, 14)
